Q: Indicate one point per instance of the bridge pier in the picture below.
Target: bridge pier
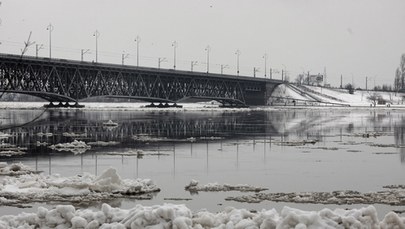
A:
(164, 105)
(63, 105)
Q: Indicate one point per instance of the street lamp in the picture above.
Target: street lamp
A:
(137, 40)
(237, 60)
(174, 44)
(255, 70)
(84, 52)
(50, 28)
(223, 67)
(265, 64)
(37, 48)
(123, 57)
(160, 60)
(193, 63)
(283, 72)
(208, 49)
(96, 34)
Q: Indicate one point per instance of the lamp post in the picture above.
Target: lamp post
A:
(255, 70)
(366, 82)
(223, 67)
(96, 34)
(37, 48)
(174, 44)
(283, 73)
(83, 51)
(50, 29)
(265, 64)
(208, 49)
(123, 57)
(160, 60)
(193, 63)
(137, 40)
(237, 60)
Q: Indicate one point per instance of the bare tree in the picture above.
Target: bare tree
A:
(398, 82)
(402, 69)
(300, 79)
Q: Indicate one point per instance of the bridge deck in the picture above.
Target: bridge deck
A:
(79, 79)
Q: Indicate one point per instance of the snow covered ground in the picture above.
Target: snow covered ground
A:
(321, 96)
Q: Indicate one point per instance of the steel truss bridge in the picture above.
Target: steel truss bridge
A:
(67, 82)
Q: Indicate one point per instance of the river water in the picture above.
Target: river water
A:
(354, 150)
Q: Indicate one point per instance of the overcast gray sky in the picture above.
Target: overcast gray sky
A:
(355, 38)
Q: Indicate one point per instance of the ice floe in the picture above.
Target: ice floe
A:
(181, 217)
(390, 196)
(110, 123)
(40, 134)
(298, 142)
(102, 143)
(74, 135)
(30, 188)
(15, 169)
(8, 150)
(137, 153)
(76, 147)
(193, 187)
(4, 135)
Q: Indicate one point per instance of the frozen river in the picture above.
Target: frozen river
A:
(298, 150)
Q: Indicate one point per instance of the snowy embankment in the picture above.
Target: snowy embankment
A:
(180, 217)
(32, 187)
(285, 94)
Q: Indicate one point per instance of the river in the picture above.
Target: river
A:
(284, 150)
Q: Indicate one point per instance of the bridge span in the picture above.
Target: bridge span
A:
(68, 81)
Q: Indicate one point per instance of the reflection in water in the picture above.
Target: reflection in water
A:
(399, 134)
(64, 126)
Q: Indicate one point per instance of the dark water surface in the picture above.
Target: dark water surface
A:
(231, 147)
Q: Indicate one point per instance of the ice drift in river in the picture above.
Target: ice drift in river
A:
(30, 188)
(180, 217)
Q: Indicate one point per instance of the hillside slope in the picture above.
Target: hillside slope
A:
(290, 94)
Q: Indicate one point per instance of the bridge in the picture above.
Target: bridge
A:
(67, 82)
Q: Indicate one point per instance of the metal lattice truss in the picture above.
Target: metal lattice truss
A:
(67, 81)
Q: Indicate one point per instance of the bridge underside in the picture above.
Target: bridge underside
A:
(70, 81)
(226, 102)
